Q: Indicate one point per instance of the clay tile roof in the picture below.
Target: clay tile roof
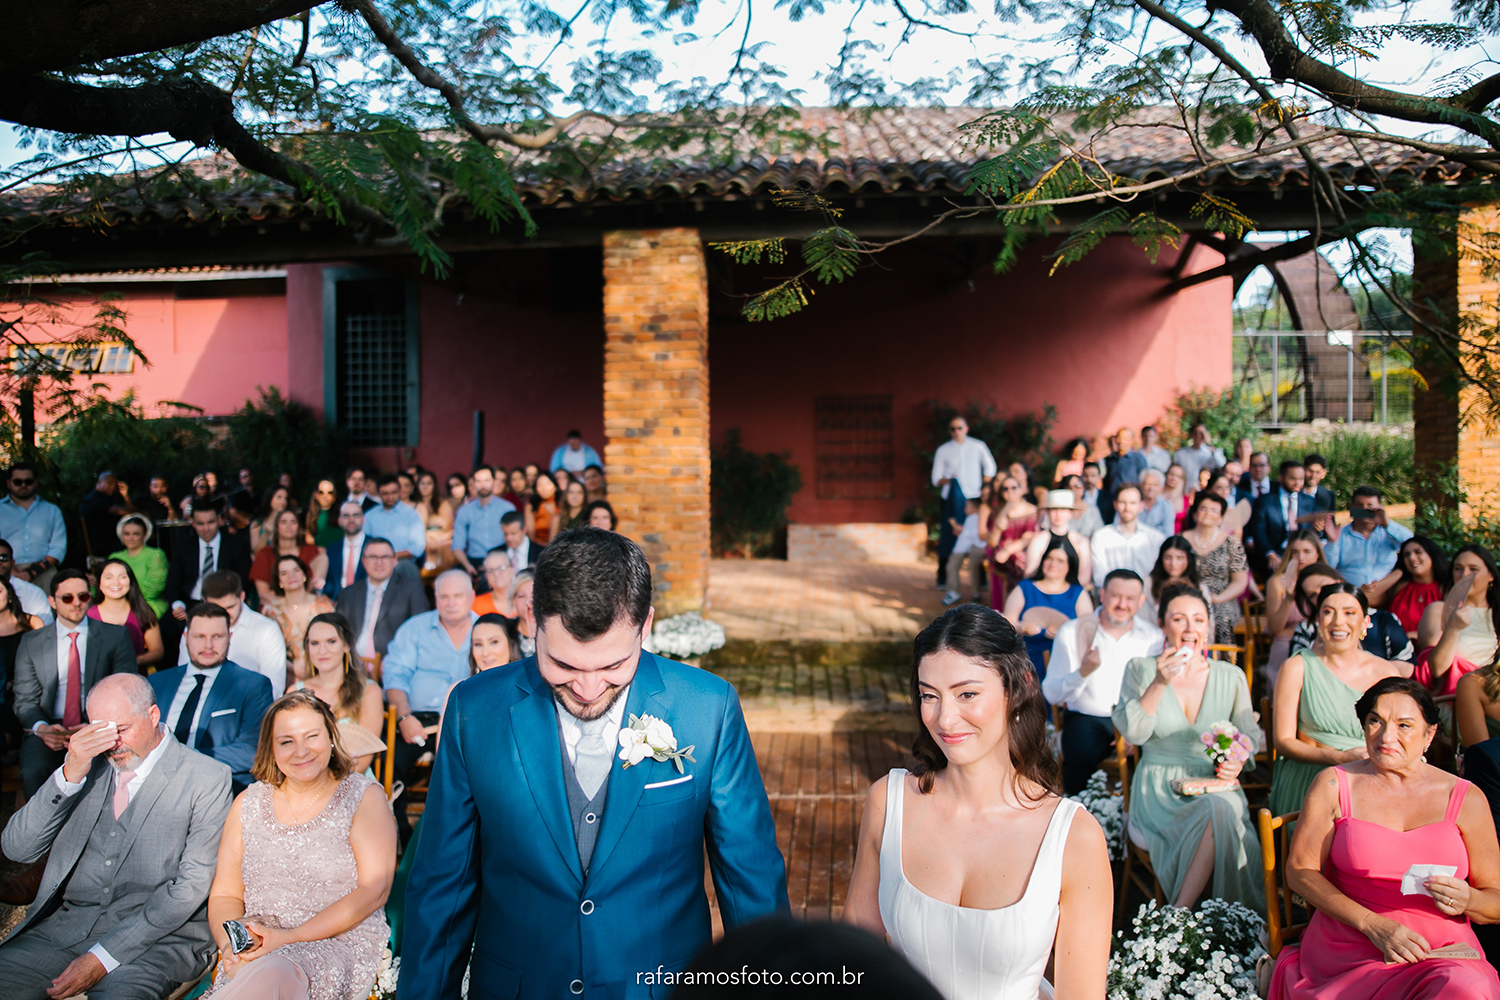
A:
(887, 152)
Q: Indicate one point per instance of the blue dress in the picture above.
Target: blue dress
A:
(1066, 603)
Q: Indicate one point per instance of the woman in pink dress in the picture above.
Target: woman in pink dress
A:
(1011, 530)
(1363, 827)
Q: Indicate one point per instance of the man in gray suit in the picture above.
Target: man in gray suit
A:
(120, 915)
(393, 597)
(56, 667)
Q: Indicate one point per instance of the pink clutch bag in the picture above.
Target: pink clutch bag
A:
(1200, 786)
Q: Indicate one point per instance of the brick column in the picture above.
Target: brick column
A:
(1478, 308)
(656, 405)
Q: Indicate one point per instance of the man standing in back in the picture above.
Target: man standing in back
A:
(476, 525)
(959, 469)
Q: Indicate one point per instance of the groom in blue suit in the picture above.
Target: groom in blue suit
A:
(571, 873)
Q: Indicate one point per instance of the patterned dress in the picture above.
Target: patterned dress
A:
(294, 872)
(1214, 569)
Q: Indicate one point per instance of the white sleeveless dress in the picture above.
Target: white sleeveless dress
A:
(967, 953)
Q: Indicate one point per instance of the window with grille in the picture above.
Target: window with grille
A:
(855, 448)
(370, 358)
(99, 359)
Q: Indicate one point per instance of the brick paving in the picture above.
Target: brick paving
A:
(769, 599)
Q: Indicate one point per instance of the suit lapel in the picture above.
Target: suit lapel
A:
(156, 782)
(533, 726)
(626, 784)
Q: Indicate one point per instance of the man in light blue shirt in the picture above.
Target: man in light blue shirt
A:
(575, 456)
(1156, 512)
(476, 525)
(427, 656)
(398, 524)
(1365, 550)
(33, 527)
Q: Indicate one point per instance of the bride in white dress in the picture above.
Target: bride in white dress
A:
(972, 864)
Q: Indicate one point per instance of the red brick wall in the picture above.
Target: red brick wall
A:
(656, 405)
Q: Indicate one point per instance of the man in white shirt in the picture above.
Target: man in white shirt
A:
(523, 554)
(965, 463)
(354, 478)
(255, 642)
(1086, 669)
(1257, 482)
(1196, 455)
(1126, 544)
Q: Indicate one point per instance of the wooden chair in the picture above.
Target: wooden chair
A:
(388, 759)
(372, 667)
(1238, 656)
(1135, 856)
(1275, 833)
(1252, 630)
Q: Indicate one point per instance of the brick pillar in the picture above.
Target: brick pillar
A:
(1435, 408)
(656, 405)
(1478, 306)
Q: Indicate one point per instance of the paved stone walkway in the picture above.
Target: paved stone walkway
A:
(770, 599)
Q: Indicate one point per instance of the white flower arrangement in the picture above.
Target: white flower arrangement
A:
(647, 736)
(1108, 807)
(687, 635)
(1180, 954)
(387, 977)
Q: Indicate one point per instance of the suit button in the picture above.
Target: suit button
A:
(114, 833)
(108, 863)
(587, 907)
(589, 817)
(576, 986)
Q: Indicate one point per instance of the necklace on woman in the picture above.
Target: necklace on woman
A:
(1199, 543)
(297, 819)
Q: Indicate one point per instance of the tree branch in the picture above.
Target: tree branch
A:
(430, 79)
(188, 110)
(1250, 261)
(57, 35)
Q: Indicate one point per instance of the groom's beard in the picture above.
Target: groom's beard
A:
(594, 709)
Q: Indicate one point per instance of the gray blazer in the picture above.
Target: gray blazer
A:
(108, 651)
(161, 883)
(404, 598)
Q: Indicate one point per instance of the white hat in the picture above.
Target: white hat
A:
(1060, 500)
(139, 518)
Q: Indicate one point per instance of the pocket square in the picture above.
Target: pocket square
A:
(674, 781)
(222, 711)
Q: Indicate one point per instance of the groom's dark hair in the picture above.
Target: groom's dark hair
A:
(591, 578)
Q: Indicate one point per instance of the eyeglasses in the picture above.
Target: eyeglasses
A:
(70, 598)
(325, 493)
(373, 557)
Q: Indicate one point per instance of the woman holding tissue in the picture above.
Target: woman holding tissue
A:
(1396, 856)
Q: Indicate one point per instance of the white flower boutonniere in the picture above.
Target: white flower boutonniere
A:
(647, 736)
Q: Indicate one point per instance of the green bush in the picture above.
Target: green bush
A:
(273, 435)
(1355, 458)
(751, 493)
(1228, 414)
(1444, 525)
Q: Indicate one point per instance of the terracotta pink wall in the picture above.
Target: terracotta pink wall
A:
(1096, 340)
(209, 352)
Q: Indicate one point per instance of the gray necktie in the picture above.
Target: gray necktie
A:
(593, 756)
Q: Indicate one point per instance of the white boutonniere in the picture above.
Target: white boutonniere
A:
(647, 736)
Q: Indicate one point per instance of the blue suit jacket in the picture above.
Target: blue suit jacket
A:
(229, 724)
(1268, 525)
(498, 863)
(335, 581)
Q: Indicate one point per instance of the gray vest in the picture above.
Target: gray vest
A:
(92, 880)
(587, 813)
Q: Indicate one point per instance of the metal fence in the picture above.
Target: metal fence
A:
(1295, 376)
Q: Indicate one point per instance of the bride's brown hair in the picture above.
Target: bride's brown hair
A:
(981, 634)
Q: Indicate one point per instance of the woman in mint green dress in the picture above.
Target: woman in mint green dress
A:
(1312, 717)
(1199, 844)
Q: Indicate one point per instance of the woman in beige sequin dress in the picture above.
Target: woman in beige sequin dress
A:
(306, 863)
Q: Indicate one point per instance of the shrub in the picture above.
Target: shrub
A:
(1356, 457)
(273, 435)
(751, 493)
(1442, 522)
(1229, 415)
(116, 435)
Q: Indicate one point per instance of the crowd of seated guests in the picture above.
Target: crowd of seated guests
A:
(282, 691)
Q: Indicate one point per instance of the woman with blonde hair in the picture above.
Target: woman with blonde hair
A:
(339, 680)
(305, 865)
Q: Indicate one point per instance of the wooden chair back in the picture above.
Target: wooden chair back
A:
(388, 759)
(1275, 837)
(1238, 656)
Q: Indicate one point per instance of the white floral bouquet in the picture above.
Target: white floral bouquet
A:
(687, 635)
(387, 977)
(1180, 954)
(1108, 807)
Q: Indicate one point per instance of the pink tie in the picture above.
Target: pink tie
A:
(122, 792)
(349, 557)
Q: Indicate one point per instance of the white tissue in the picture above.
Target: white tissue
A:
(1416, 875)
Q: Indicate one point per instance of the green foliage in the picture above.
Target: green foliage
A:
(753, 251)
(1355, 457)
(832, 254)
(1443, 522)
(1229, 415)
(751, 493)
(272, 435)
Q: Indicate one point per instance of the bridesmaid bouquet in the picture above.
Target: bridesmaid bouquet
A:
(1225, 744)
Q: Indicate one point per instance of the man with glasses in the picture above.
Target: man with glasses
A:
(34, 528)
(376, 610)
(55, 668)
(959, 470)
(499, 571)
(346, 556)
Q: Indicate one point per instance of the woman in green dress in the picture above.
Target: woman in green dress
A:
(1199, 844)
(149, 565)
(1313, 719)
